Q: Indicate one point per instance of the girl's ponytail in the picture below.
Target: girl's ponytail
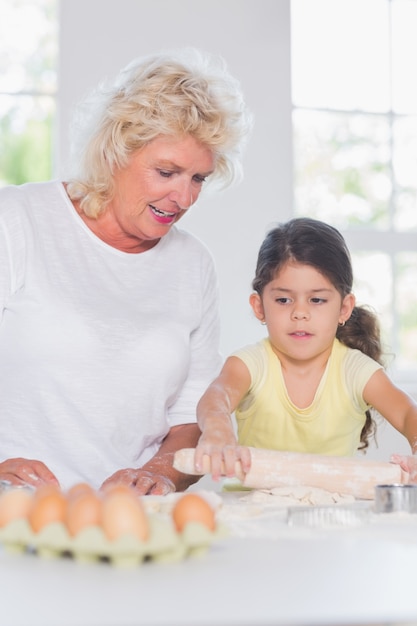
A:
(362, 332)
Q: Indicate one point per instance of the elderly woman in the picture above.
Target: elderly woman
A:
(109, 325)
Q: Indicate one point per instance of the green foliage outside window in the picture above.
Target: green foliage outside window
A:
(28, 84)
(25, 155)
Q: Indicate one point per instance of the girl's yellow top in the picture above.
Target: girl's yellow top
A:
(332, 424)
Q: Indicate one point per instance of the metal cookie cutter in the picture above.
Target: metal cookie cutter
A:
(396, 497)
(329, 516)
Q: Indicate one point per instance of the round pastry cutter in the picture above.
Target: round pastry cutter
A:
(396, 498)
(329, 516)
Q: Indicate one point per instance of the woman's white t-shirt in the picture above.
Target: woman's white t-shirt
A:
(101, 351)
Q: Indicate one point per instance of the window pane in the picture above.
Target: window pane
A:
(393, 298)
(342, 172)
(406, 301)
(404, 53)
(25, 138)
(28, 46)
(340, 54)
(373, 285)
(405, 169)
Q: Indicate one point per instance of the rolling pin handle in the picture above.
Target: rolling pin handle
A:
(405, 477)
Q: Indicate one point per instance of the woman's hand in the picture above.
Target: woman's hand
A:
(158, 476)
(408, 463)
(144, 482)
(26, 472)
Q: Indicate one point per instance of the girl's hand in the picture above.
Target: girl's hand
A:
(227, 458)
(408, 463)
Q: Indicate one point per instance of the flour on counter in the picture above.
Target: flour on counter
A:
(266, 513)
(291, 496)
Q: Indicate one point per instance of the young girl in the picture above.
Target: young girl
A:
(309, 386)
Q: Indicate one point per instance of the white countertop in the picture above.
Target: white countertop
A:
(264, 573)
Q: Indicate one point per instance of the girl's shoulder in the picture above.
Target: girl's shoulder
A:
(346, 353)
(261, 348)
(257, 357)
(353, 360)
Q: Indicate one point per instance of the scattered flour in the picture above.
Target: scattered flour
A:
(293, 496)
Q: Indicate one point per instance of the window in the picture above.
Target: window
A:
(28, 86)
(355, 149)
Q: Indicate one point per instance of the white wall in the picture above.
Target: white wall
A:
(98, 38)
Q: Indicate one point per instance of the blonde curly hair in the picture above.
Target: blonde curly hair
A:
(187, 92)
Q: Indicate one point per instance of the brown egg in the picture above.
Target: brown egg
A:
(123, 513)
(78, 488)
(83, 509)
(14, 504)
(117, 488)
(49, 505)
(193, 508)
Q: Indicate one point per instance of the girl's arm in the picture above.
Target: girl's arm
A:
(394, 405)
(214, 415)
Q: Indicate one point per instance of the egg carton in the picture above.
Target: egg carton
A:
(164, 543)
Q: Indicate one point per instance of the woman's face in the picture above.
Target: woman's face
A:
(161, 181)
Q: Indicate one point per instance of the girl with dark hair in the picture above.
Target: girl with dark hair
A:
(311, 384)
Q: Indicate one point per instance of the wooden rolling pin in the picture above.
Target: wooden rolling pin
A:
(271, 468)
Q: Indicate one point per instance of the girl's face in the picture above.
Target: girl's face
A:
(302, 310)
